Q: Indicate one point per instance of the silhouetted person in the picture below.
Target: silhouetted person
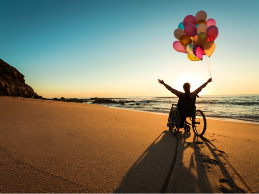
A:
(186, 102)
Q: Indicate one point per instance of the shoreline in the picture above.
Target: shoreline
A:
(207, 117)
(84, 101)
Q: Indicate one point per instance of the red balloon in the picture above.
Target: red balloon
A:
(198, 51)
(212, 31)
(210, 39)
(190, 30)
(179, 47)
(189, 19)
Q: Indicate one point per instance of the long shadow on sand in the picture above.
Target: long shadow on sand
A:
(150, 171)
(200, 167)
(228, 184)
(19, 177)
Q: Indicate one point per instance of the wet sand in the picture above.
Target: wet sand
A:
(52, 146)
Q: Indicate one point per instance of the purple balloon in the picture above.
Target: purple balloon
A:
(212, 31)
(198, 51)
(179, 47)
(190, 30)
(189, 19)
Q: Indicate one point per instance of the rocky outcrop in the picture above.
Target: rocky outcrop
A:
(108, 101)
(12, 82)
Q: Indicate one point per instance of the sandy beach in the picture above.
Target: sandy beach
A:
(53, 146)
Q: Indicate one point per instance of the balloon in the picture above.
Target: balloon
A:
(195, 40)
(210, 39)
(189, 19)
(189, 49)
(179, 47)
(192, 58)
(209, 48)
(212, 31)
(190, 30)
(198, 51)
(201, 21)
(201, 15)
(185, 40)
(181, 25)
(211, 22)
(202, 28)
(202, 38)
(178, 33)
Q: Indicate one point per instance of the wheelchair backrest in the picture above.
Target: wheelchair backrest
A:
(186, 106)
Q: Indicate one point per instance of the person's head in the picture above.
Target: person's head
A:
(186, 87)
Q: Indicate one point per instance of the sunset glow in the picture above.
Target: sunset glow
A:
(194, 81)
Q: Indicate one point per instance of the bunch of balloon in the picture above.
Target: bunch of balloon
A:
(196, 36)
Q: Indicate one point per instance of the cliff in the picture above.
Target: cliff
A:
(12, 82)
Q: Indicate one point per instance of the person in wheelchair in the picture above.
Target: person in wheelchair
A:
(186, 102)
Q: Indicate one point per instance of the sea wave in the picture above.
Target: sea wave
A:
(229, 103)
(238, 107)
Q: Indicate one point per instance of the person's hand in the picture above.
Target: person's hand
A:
(160, 81)
(210, 80)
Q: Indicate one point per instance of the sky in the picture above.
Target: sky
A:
(120, 48)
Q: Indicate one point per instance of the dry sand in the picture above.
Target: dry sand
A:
(50, 146)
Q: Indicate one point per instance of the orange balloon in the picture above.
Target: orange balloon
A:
(201, 15)
(178, 33)
(185, 40)
(202, 28)
(195, 40)
(201, 21)
(209, 48)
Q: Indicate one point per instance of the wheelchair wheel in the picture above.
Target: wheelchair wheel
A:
(174, 121)
(199, 123)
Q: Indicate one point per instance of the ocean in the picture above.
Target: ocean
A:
(238, 107)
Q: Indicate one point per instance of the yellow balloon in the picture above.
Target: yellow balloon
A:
(209, 48)
(189, 49)
(192, 58)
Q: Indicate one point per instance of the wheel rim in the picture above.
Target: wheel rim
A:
(173, 125)
(200, 123)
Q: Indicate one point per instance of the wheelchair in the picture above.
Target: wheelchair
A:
(196, 117)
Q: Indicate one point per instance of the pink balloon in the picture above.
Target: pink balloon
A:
(212, 31)
(198, 51)
(179, 47)
(190, 30)
(189, 19)
(211, 22)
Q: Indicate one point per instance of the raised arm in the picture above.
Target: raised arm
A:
(201, 87)
(174, 91)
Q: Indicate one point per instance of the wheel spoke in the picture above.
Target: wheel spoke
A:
(199, 123)
(174, 121)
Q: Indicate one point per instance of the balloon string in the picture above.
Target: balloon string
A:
(207, 64)
(206, 67)
(210, 65)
